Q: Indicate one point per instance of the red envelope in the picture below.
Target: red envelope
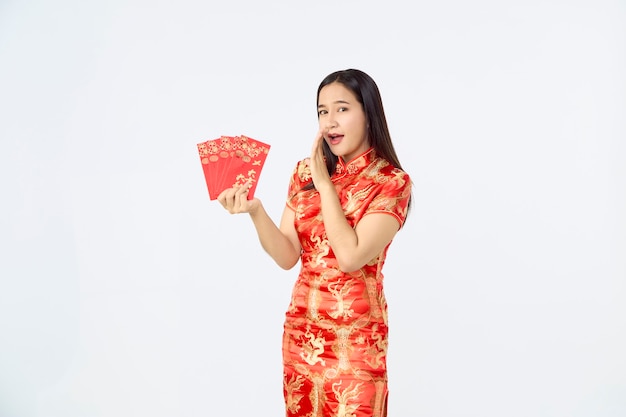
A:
(214, 155)
(232, 160)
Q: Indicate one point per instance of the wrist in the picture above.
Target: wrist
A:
(327, 187)
(255, 207)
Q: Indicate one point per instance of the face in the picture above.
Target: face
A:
(342, 119)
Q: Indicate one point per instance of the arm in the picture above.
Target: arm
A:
(280, 243)
(353, 247)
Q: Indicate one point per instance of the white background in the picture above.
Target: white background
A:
(125, 291)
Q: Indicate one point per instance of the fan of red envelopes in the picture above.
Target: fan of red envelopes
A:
(232, 160)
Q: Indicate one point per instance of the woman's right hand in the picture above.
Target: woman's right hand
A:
(235, 200)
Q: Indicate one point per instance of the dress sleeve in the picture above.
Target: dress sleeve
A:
(300, 176)
(393, 198)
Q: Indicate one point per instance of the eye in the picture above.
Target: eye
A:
(321, 112)
(342, 109)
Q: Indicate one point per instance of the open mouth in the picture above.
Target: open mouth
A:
(334, 139)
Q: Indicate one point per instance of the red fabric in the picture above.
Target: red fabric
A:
(335, 331)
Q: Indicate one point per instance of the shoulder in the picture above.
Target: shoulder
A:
(392, 191)
(302, 171)
(381, 171)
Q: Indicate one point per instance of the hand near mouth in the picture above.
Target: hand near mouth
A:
(319, 173)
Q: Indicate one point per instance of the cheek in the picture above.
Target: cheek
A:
(357, 125)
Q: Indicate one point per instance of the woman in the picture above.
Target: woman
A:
(345, 204)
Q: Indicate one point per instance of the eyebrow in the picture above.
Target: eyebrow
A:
(335, 102)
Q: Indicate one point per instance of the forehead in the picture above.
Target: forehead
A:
(335, 92)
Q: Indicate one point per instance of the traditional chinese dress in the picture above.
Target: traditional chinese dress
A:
(335, 332)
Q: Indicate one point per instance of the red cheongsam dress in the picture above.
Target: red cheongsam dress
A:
(335, 331)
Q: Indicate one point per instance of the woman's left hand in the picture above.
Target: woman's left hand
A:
(319, 173)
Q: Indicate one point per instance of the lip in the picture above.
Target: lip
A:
(334, 139)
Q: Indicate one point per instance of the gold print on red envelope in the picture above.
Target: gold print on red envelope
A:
(229, 161)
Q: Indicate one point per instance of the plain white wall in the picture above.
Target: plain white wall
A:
(125, 292)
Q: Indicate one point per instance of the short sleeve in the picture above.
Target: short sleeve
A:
(300, 176)
(394, 196)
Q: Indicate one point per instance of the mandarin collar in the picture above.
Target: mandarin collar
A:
(357, 164)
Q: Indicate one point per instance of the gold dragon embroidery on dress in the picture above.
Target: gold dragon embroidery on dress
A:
(313, 348)
(355, 200)
(376, 352)
(339, 290)
(304, 171)
(292, 398)
(322, 250)
(347, 399)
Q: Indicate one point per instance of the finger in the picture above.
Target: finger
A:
(243, 197)
(227, 198)
(240, 198)
(316, 141)
(223, 197)
(317, 153)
